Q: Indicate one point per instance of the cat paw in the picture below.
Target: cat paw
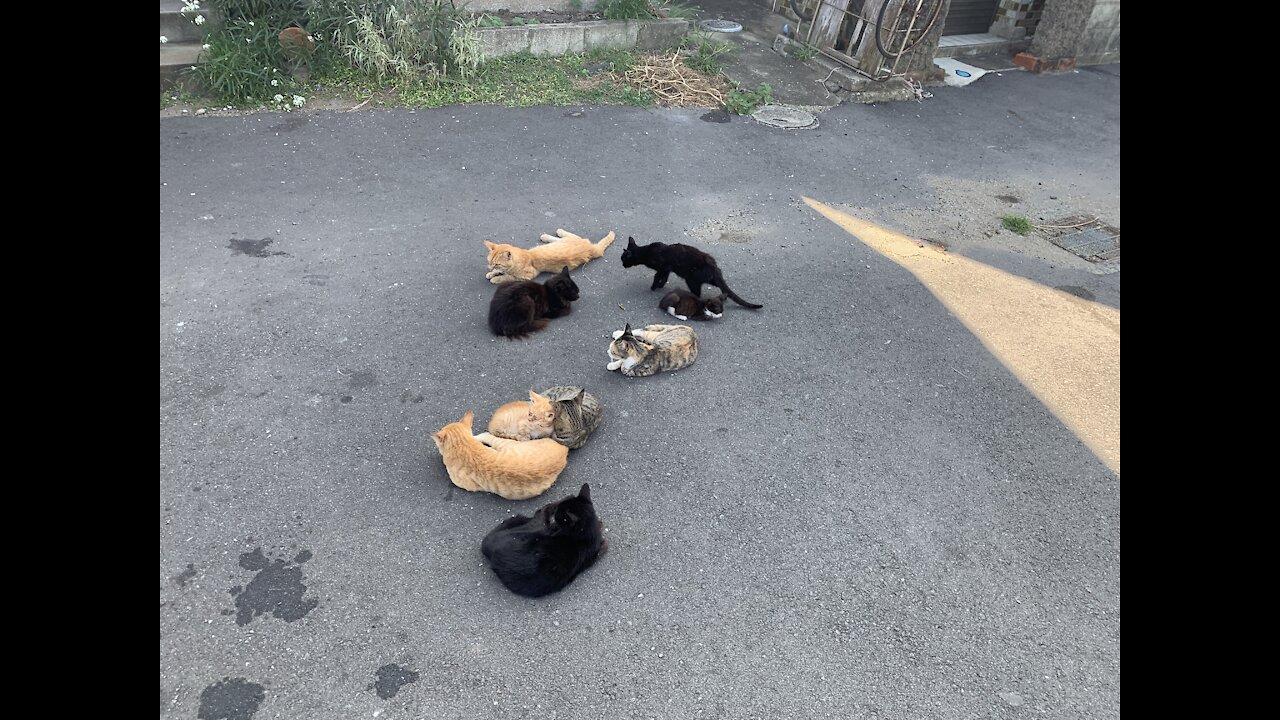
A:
(614, 365)
(682, 317)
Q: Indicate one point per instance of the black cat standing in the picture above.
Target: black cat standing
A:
(520, 308)
(539, 555)
(696, 267)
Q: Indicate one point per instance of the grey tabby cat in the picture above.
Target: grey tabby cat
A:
(578, 414)
(641, 353)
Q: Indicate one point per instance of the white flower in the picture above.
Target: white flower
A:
(199, 20)
(278, 98)
(298, 100)
(248, 41)
(274, 83)
(163, 39)
(250, 23)
(206, 46)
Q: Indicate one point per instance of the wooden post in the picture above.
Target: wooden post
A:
(827, 21)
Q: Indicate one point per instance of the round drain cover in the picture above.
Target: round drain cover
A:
(721, 25)
(785, 116)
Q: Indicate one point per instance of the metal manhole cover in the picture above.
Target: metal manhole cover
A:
(726, 26)
(785, 116)
(1085, 237)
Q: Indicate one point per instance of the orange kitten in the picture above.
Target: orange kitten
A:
(521, 420)
(513, 469)
(508, 262)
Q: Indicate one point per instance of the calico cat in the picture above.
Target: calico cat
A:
(521, 420)
(513, 469)
(646, 352)
(539, 555)
(696, 267)
(508, 263)
(520, 308)
(683, 305)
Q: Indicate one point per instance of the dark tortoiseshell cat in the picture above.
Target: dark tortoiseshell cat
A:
(522, 307)
(684, 305)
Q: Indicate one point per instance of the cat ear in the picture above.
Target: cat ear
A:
(565, 271)
(631, 242)
(466, 419)
(506, 255)
(585, 492)
(534, 397)
(626, 330)
(489, 245)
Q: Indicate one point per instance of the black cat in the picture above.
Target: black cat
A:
(539, 555)
(519, 308)
(690, 263)
(684, 305)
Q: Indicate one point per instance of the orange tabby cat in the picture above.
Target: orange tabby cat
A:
(508, 262)
(521, 420)
(513, 469)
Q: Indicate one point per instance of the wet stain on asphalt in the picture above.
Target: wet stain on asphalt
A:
(391, 678)
(231, 699)
(185, 576)
(253, 248)
(1076, 290)
(360, 379)
(292, 122)
(276, 589)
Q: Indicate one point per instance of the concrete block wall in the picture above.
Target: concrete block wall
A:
(553, 39)
(1011, 19)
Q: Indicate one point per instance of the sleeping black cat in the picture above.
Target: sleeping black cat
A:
(539, 555)
(519, 308)
(696, 267)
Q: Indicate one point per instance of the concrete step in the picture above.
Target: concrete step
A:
(181, 29)
(184, 40)
(175, 58)
(968, 45)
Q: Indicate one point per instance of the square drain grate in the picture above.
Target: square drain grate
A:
(1085, 237)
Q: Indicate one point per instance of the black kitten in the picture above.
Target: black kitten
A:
(538, 555)
(519, 308)
(684, 305)
(690, 263)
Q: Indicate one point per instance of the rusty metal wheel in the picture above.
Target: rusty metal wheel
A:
(902, 24)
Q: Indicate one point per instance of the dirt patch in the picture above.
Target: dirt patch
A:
(963, 216)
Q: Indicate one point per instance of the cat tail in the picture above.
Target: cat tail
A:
(606, 242)
(720, 283)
